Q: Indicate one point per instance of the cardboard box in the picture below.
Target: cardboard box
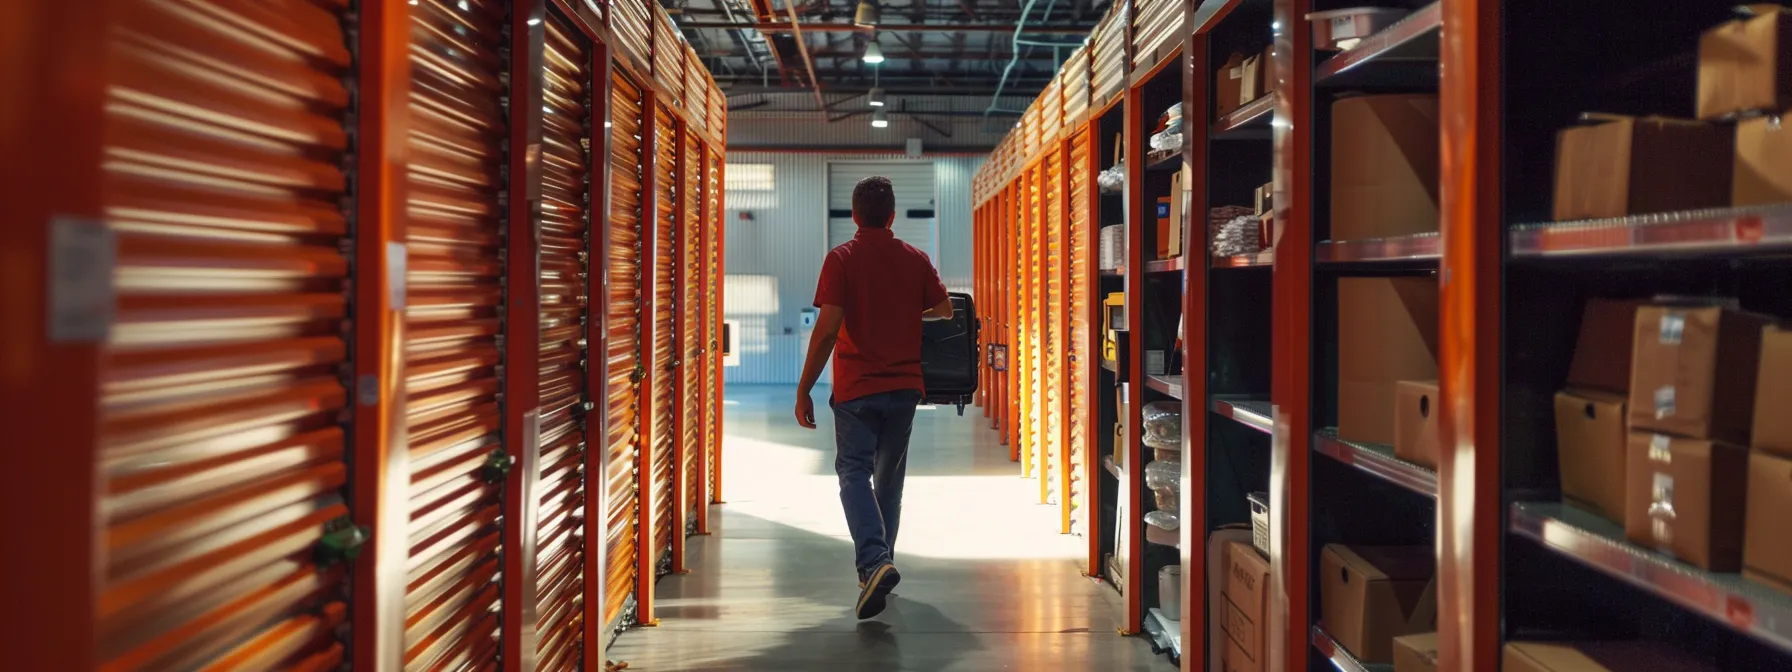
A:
(1255, 81)
(1693, 372)
(1384, 166)
(1685, 498)
(1763, 168)
(1247, 605)
(1228, 83)
(1766, 548)
(1368, 595)
(1219, 566)
(1415, 421)
(1591, 447)
(1387, 332)
(1746, 65)
(1416, 653)
(1598, 657)
(1615, 166)
(1602, 350)
(1773, 394)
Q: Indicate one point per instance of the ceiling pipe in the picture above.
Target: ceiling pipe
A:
(802, 47)
(1025, 10)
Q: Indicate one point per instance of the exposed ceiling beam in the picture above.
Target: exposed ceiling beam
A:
(802, 47)
(891, 27)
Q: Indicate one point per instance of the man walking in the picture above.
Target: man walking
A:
(873, 294)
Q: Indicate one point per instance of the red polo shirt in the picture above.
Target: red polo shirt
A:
(883, 285)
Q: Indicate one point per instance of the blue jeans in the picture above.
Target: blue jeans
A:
(871, 436)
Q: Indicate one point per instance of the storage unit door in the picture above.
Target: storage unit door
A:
(221, 439)
(1077, 352)
(1035, 417)
(1051, 315)
(623, 345)
(665, 259)
(565, 397)
(690, 324)
(712, 312)
(453, 332)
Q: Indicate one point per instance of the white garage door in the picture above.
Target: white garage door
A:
(916, 221)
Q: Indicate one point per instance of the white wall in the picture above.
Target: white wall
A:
(774, 259)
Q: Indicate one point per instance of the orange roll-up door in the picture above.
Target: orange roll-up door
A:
(712, 311)
(665, 259)
(221, 437)
(1051, 312)
(622, 403)
(565, 400)
(690, 330)
(453, 325)
(1031, 323)
(1076, 347)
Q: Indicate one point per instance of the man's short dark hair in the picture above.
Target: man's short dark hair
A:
(874, 201)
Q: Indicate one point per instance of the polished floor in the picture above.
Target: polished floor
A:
(988, 584)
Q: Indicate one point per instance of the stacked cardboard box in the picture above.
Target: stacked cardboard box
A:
(1614, 166)
(1387, 333)
(1598, 657)
(1369, 595)
(1767, 550)
(1590, 412)
(1246, 607)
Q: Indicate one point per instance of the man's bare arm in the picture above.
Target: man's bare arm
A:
(821, 345)
(944, 311)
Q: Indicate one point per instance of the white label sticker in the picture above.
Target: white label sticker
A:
(1664, 402)
(1659, 449)
(1661, 497)
(1673, 327)
(1235, 73)
(395, 270)
(83, 258)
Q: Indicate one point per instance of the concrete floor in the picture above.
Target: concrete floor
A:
(988, 584)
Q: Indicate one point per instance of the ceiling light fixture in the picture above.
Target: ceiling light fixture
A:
(873, 54)
(880, 119)
(866, 14)
(877, 97)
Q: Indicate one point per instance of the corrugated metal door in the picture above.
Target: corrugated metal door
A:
(690, 328)
(913, 184)
(1033, 415)
(622, 401)
(453, 325)
(1051, 332)
(221, 439)
(665, 259)
(565, 400)
(712, 312)
(1076, 348)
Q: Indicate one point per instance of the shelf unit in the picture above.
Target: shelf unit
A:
(1263, 336)
(1341, 658)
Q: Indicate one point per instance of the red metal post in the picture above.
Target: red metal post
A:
(53, 58)
(1470, 518)
(706, 332)
(681, 135)
(522, 336)
(597, 371)
(381, 480)
(1194, 352)
(1291, 339)
(1090, 286)
(1132, 485)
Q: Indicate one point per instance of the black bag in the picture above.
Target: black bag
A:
(949, 361)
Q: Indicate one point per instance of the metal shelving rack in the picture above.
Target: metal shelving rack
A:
(1257, 389)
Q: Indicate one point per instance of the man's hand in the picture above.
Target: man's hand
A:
(805, 410)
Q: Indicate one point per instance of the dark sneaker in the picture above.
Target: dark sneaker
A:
(875, 592)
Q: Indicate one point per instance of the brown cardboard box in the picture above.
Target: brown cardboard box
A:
(1773, 394)
(1254, 83)
(1415, 421)
(1590, 449)
(1766, 549)
(1219, 566)
(1602, 351)
(1746, 64)
(1693, 372)
(1247, 605)
(1685, 497)
(1387, 332)
(1227, 84)
(1416, 653)
(1368, 595)
(1384, 166)
(1617, 166)
(1598, 657)
(1763, 162)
